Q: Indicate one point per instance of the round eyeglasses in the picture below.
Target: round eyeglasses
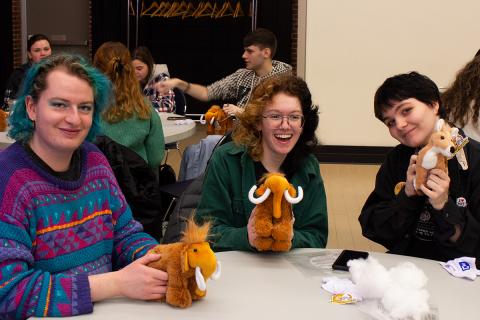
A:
(294, 120)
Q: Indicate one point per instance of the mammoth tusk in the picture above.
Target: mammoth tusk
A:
(260, 199)
(294, 200)
(202, 120)
(217, 272)
(212, 121)
(200, 280)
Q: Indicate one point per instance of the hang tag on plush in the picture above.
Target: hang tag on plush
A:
(460, 142)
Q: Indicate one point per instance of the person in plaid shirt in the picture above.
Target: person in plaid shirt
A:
(260, 46)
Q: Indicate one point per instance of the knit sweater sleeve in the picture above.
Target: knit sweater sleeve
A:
(155, 141)
(47, 254)
(25, 289)
(130, 243)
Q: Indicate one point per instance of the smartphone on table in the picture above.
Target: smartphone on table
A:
(176, 118)
(346, 255)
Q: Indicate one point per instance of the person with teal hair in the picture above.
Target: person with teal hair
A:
(22, 127)
(68, 238)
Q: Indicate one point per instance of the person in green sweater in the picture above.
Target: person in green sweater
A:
(130, 119)
(276, 133)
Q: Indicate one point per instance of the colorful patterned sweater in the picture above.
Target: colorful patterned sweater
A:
(54, 233)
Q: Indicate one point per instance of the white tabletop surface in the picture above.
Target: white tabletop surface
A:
(175, 132)
(288, 286)
(171, 131)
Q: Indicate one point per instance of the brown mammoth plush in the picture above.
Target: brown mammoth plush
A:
(218, 122)
(3, 120)
(189, 263)
(272, 217)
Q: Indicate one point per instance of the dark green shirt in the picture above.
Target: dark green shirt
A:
(224, 199)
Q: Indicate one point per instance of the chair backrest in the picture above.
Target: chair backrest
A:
(180, 102)
(187, 203)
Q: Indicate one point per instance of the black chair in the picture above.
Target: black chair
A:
(180, 102)
(185, 196)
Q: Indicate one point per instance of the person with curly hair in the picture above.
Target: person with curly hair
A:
(130, 118)
(68, 238)
(462, 99)
(276, 133)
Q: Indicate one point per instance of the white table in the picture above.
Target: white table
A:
(272, 286)
(171, 131)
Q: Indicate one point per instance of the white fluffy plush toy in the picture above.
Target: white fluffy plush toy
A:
(400, 290)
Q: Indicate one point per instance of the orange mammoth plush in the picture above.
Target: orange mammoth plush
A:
(439, 149)
(218, 122)
(272, 217)
(189, 263)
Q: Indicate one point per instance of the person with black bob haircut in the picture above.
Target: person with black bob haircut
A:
(443, 222)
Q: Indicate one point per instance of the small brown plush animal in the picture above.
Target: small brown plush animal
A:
(439, 149)
(188, 264)
(218, 122)
(3, 120)
(273, 216)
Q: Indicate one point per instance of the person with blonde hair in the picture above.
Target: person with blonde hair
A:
(462, 99)
(276, 133)
(130, 119)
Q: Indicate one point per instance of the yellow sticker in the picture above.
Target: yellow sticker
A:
(342, 298)
(398, 187)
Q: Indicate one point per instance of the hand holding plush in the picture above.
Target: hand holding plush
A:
(188, 264)
(439, 149)
(272, 218)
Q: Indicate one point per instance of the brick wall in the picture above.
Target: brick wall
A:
(17, 33)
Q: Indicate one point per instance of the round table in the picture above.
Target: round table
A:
(288, 286)
(172, 132)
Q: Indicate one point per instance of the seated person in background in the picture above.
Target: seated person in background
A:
(38, 47)
(129, 119)
(276, 133)
(462, 99)
(61, 187)
(148, 74)
(442, 224)
(260, 46)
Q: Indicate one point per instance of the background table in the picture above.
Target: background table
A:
(288, 286)
(171, 131)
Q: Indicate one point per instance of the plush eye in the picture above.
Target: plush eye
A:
(195, 250)
(442, 137)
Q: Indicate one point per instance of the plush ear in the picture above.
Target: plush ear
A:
(184, 259)
(454, 132)
(439, 125)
